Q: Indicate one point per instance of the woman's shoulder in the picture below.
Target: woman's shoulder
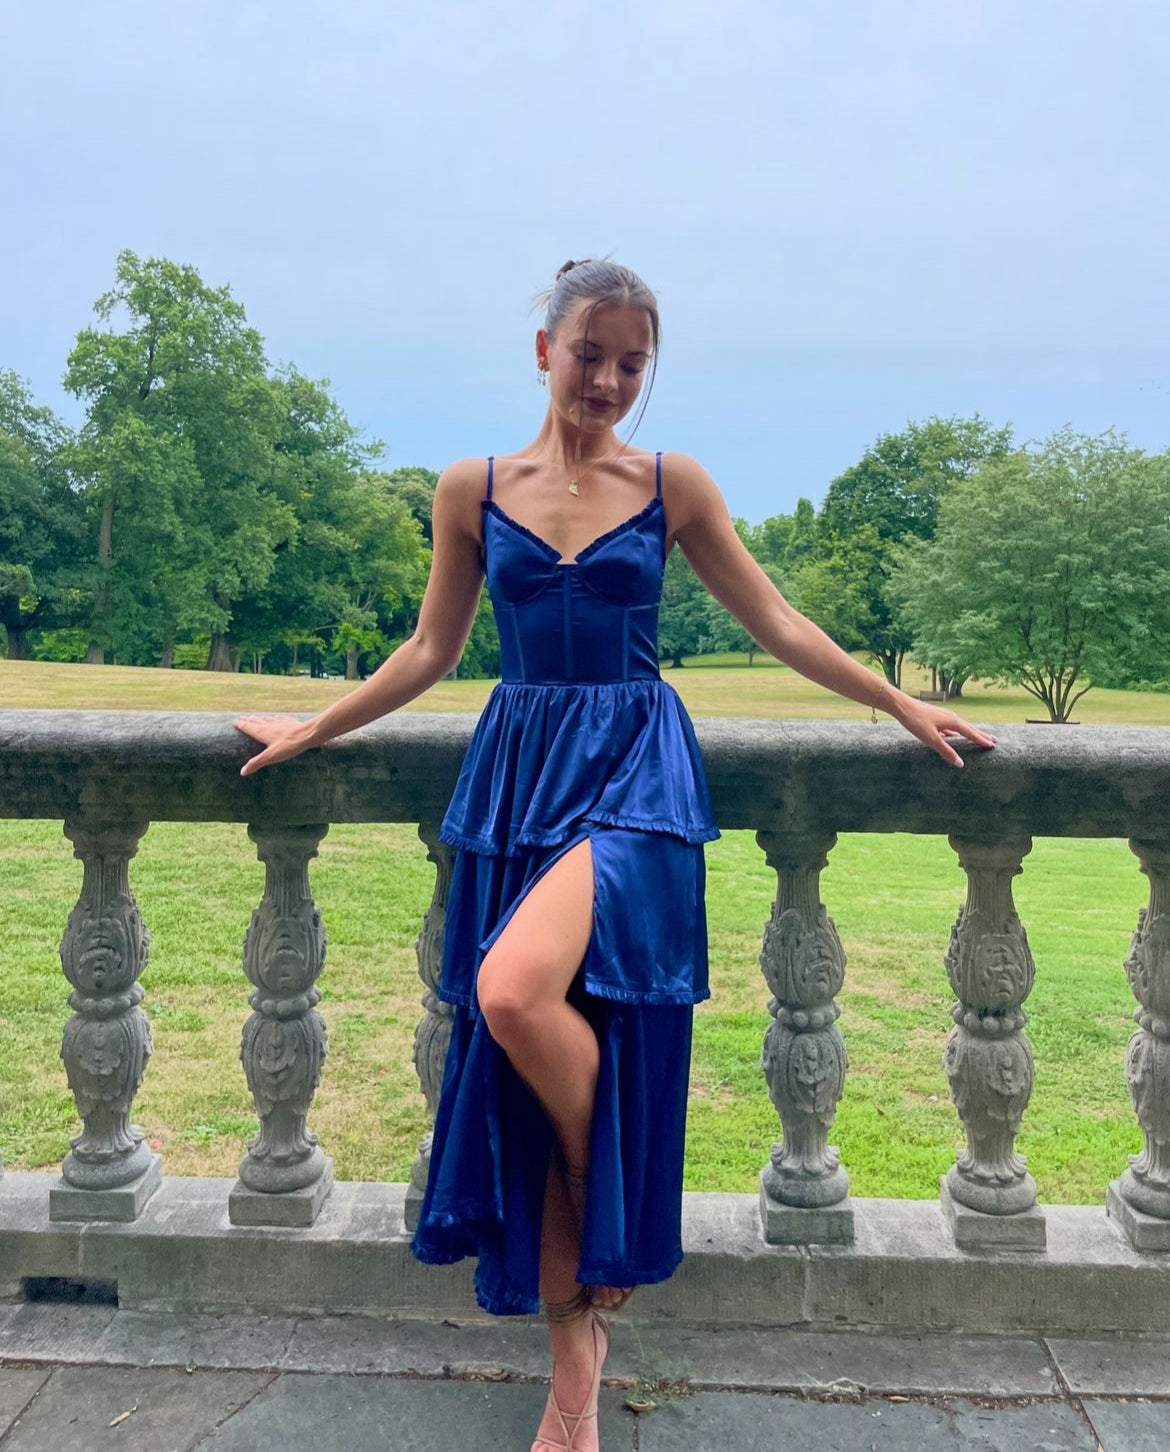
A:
(692, 496)
(688, 477)
(682, 465)
(462, 486)
(463, 476)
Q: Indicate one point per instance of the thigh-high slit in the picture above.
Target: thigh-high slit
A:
(492, 1141)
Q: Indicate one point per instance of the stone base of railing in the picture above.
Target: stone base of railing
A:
(797, 1225)
(294, 1209)
(123, 1202)
(1146, 1232)
(975, 1230)
(903, 1268)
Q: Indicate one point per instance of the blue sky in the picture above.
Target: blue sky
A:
(854, 213)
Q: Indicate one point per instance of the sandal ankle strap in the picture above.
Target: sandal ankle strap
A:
(561, 1313)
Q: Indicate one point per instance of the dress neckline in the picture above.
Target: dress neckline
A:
(567, 561)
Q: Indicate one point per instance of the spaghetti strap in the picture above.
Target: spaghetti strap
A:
(658, 475)
(491, 471)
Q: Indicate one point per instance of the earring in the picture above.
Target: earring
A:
(542, 376)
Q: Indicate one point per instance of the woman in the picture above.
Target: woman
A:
(575, 944)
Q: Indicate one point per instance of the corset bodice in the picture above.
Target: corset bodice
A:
(589, 621)
(582, 729)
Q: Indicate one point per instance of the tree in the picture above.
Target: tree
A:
(721, 630)
(415, 486)
(786, 541)
(838, 587)
(1049, 569)
(682, 615)
(897, 485)
(178, 460)
(385, 566)
(39, 517)
(481, 654)
(894, 493)
(353, 552)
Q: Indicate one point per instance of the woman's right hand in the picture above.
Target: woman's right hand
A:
(283, 737)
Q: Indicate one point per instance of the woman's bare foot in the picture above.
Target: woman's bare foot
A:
(610, 1298)
(579, 1349)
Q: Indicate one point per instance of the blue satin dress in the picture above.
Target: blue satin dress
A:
(580, 739)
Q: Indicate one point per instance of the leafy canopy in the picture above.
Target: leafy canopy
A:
(1050, 569)
(892, 494)
(39, 515)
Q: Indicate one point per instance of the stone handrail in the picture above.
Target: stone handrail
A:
(106, 775)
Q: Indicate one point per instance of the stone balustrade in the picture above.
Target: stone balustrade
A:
(107, 775)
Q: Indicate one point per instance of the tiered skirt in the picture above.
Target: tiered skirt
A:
(550, 766)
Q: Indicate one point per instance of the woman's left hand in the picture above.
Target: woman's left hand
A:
(283, 736)
(933, 724)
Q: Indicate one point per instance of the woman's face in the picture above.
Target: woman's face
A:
(594, 380)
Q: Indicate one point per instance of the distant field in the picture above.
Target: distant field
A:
(893, 897)
(718, 685)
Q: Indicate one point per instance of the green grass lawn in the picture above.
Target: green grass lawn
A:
(714, 685)
(893, 898)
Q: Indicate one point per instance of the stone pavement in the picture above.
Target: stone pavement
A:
(85, 1378)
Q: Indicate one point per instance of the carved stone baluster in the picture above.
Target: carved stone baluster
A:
(284, 1177)
(804, 1189)
(110, 1171)
(988, 1195)
(433, 1032)
(1140, 1199)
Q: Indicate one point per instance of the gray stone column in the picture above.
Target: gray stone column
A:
(804, 1189)
(284, 1177)
(110, 1171)
(988, 1195)
(433, 1032)
(1140, 1199)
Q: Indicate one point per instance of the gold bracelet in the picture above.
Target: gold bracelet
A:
(873, 720)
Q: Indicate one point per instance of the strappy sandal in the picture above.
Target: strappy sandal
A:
(577, 1184)
(561, 1313)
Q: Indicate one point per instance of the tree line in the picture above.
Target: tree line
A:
(212, 510)
(215, 511)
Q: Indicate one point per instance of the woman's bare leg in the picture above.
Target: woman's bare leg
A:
(572, 1343)
(522, 987)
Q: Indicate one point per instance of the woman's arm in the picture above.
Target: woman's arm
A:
(433, 651)
(704, 531)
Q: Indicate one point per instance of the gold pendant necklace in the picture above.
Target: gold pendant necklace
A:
(575, 484)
